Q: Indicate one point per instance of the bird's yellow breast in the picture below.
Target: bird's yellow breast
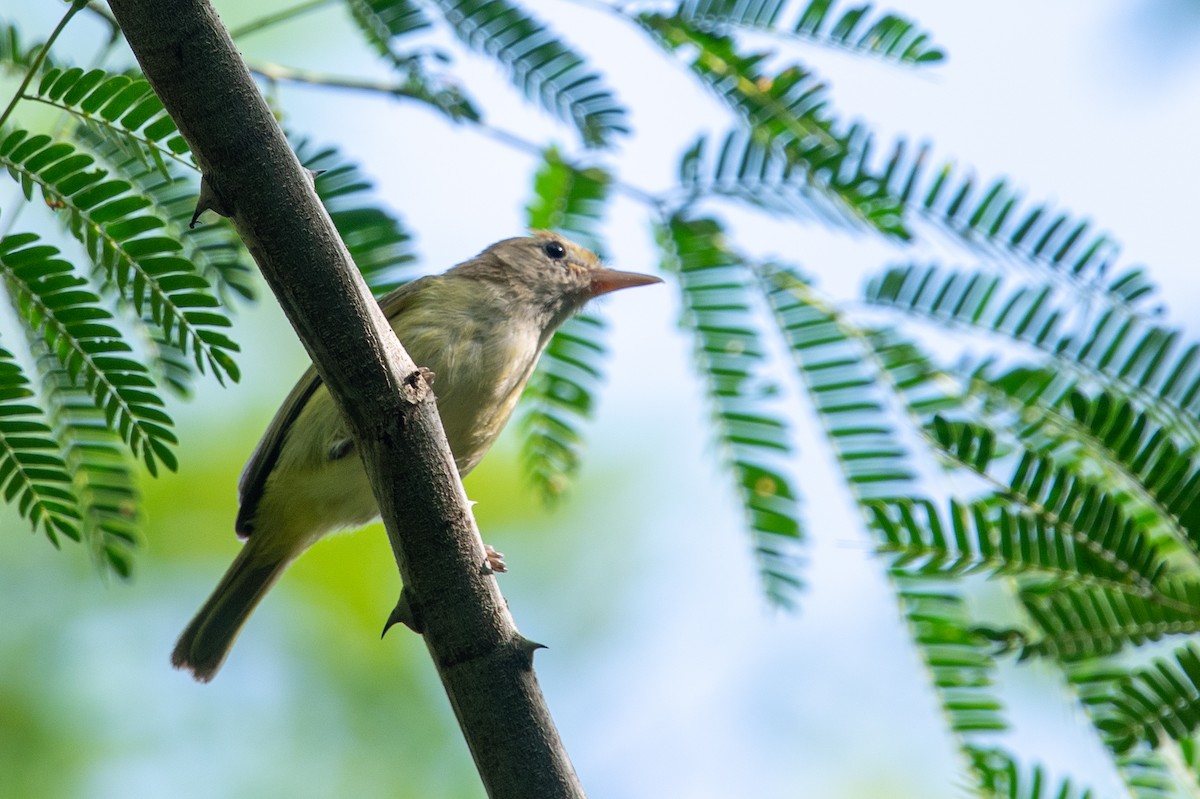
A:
(479, 373)
(481, 361)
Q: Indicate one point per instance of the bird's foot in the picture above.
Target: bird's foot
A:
(494, 563)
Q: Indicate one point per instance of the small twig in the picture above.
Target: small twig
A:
(284, 15)
(285, 74)
(114, 36)
(67, 112)
(40, 59)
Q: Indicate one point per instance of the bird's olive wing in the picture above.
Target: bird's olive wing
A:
(254, 476)
(262, 461)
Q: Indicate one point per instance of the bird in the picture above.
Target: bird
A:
(480, 328)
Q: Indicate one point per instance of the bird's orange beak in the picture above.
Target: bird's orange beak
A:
(606, 280)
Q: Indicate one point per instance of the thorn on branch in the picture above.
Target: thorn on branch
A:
(527, 648)
(404, 613)
(209, 200)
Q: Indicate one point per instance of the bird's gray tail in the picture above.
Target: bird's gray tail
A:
(208, 638)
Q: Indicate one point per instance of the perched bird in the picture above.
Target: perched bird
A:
(479, 328)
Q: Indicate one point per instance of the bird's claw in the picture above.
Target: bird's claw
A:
(494, 562)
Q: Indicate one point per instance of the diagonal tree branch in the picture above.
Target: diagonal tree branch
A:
(484, 663)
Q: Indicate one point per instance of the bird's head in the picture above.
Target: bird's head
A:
(549, 274)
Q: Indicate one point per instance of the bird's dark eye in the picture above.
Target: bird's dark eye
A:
(554, 250)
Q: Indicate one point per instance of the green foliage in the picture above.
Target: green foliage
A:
(212, 247)
(383, 24)
(101, 476)
(1078, 623)
(1067, 501)
(31, 473)
(132, 256)
(570, 199)
(718, 309)
(210, 244)
(121, 108)
(378, 242)
(384, 20)
(845, 390)
(1134, 454)
(922, 387)
(787, 115)
(984, 536)
(540, 64)
(537, 61)
(1162, 699)
(1146, 773)
(561, 395)
(887, 36)
(993, 220)
(145, 313)
(1144, 450)
(151, 273)
(962, 669)
(1003, 777)
(1113, 347)
(1189, 754)
(742, 169)
(79, 334)
(790, 106)
(15, 56)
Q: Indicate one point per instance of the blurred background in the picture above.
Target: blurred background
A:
(667, 671)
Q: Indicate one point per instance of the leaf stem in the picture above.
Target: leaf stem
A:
(114, 37)
(282, 73)
(99, 122)
(285, 15)
(76, 5)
